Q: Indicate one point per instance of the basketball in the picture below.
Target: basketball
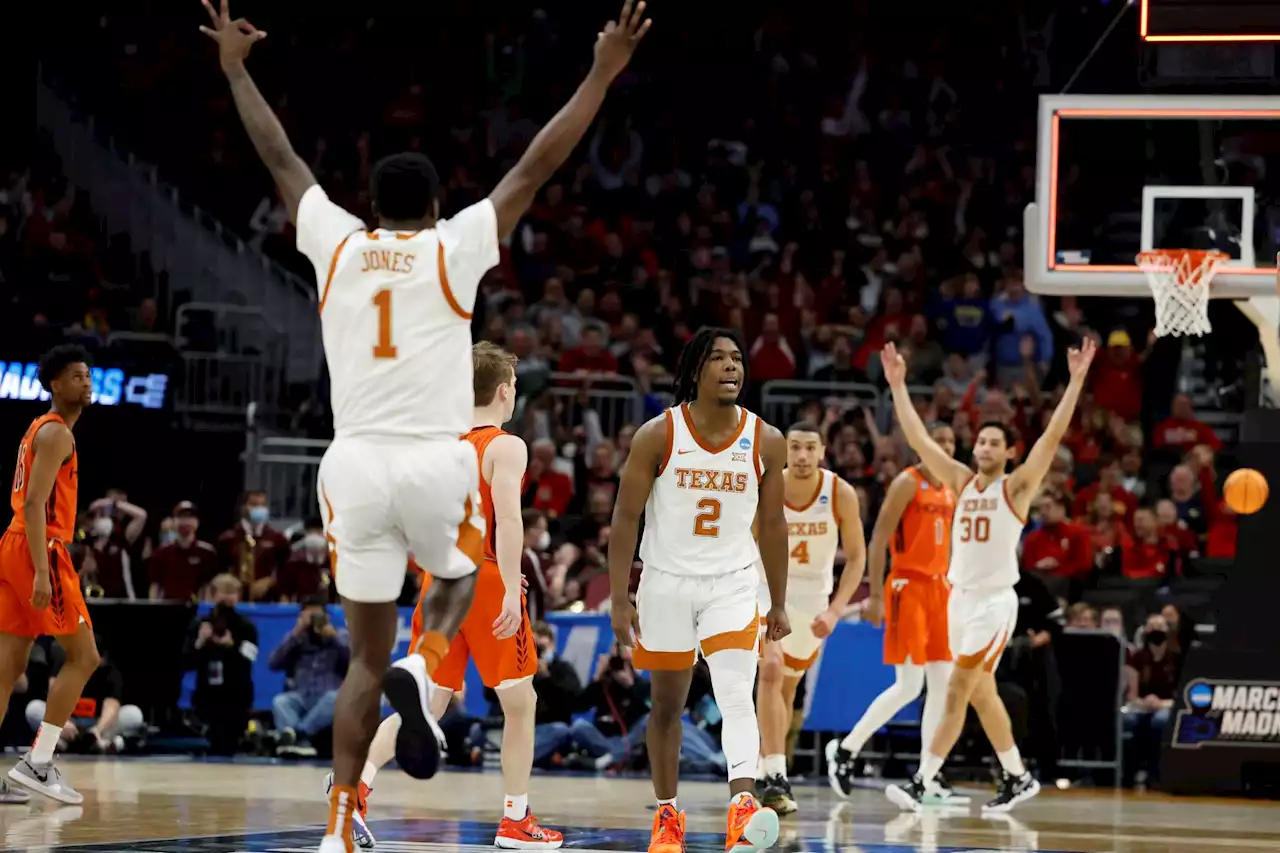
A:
(1246, 491)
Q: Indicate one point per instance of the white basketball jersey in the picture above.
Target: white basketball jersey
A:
(984, 538)
(395, 311)
(813, 531)
(703, 502)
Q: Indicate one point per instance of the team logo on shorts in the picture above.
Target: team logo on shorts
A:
(744, 444)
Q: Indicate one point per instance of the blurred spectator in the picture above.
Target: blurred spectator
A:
(1017, 315)
(221, 647)
(127, 520)
(1117, 377)
(252, 550)
(558, 688)
(104, 563)
(1108, 484)
(314, 658)
(1182, 541)
(590, 356)
(771, 356)
(1107, 533)
(1058, 546)
(99, 718)
(1082, 615)
(537, 542)
(1153, 680)
(307, 573)
(1181, 431)
(546, 488)
(1146, 556)
(181, 568)
(621, 703)
(1182, 632)
(1111, 620)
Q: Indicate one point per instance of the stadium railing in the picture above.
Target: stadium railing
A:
(781, 399)
(200, 255)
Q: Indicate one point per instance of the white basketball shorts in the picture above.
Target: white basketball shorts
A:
(800, 647)
(683, 613)
(383, 499)
(981, 623)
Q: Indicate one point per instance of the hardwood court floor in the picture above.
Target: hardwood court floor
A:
(181, 806)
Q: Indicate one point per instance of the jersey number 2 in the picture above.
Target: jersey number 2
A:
(707, 521)
(383, 348)
(975, 529)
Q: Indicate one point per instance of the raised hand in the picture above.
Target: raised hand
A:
(617, 42)
(234, 38)
(895, 367)
(1078, 360)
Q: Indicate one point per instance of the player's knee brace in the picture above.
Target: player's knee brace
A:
(733, 675)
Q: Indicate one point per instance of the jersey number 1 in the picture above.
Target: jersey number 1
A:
(383, 348)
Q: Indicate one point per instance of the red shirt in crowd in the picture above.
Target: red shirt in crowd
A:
(1109, 534)
(1143, 560)
(1181, 540)
(772, 360)
(1117, 384)
(577, 360)
(1123, 500)
(1068, 543)
(1182, 434)
(552, 491)
(270, 551)
(179, 571)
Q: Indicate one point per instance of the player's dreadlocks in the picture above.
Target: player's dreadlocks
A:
(694, 356)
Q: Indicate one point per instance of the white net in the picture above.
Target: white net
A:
(1179, 280)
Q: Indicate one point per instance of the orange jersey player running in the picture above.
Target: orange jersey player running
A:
(496, 633)
(914, 524)
(698, 473)
(395, 315)
(982, 609)
(822, 514)
(39, 588)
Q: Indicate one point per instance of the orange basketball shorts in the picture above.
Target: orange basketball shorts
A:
(66, 608)
(498, 661)
(915, 619)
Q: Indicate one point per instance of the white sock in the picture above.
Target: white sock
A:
(930, 766)
(46, 742)
(761, 770)
(1011, 761)
(515, 806)
(367, 774)
(775, 765)
(671, 802)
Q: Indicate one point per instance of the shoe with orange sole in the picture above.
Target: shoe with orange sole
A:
(751, 826)
(668, 831)
(526, 834)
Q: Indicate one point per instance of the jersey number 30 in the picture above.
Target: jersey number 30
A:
(707, 521)
(975, 528)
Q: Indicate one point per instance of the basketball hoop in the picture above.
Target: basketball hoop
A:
(1179, 280)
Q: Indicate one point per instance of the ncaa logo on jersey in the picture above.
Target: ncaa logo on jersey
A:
(745, 444)
(823, 499)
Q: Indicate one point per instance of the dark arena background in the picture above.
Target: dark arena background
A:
(822, 178)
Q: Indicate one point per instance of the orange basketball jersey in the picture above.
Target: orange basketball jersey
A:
(481, 437)
(922, 542)
(60, 514)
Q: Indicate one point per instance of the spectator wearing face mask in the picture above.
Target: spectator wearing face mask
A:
(221, 647)
(253, 551)
(558, 688)
(181, 567)
(105, 560)
(1153, 679)
(307, 573)
(537, 542)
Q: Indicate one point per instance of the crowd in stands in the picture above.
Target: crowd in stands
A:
(826, 196)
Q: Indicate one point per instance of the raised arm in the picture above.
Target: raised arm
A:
(556, 141)
(771, 530)
(52, 447)
(940, 463)
(1025, 482)
(649, 449)
(896, 499)
(855, 558)
(235, 38)
(509, 458)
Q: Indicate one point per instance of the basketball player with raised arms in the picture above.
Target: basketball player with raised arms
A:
(822, 514)
(496, 633)
(39, 588)
(914, 524)
(699, 473)
(395, 306)
(982, 612)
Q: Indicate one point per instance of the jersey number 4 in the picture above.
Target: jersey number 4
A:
(707, 521)
(800, 553)
(975, 528)
(383, 348)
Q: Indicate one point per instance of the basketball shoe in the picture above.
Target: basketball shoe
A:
(420, 744)
(1012, 791)
(44, 779)
(526, 834)
(751, 826)
(668, 831)
(360, 832)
